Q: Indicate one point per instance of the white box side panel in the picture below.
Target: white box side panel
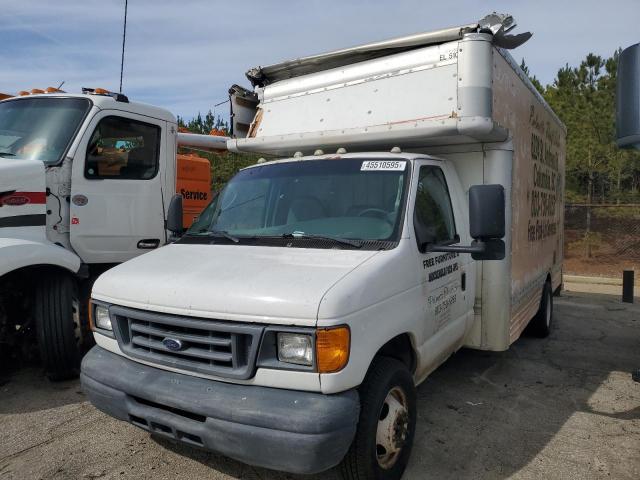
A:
(424, 94)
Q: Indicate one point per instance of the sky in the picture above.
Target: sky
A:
(184, 55)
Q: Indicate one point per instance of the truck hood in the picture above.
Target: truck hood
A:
(22, 194)
(21, 174)
(233, 282)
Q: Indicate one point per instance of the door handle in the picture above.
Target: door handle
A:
(148, 244)
(463, 281)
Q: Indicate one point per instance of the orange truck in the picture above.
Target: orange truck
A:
(193, 182)
(193, 179)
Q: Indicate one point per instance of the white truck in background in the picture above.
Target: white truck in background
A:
(86, 182)
(418, 209)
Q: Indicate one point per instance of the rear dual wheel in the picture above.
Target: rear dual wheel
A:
(540, 325)
(386, 428)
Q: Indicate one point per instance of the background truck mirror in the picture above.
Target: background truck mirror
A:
(174, 215)
(628, 98)
(486, 211)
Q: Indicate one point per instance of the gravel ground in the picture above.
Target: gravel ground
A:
(562, 408)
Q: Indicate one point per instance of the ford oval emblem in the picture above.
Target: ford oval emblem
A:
(173, 344)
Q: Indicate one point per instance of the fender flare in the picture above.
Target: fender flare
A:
(17, 253)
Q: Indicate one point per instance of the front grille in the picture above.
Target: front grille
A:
(212, 347)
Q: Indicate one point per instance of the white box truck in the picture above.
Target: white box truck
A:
(417, 210)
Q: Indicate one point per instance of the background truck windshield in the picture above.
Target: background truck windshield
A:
(342, 198)
(40, 128)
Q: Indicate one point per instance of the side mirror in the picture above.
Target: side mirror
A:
(628, 98)
(486, 221)
(486, 211)
(486, 224)
(174, 215)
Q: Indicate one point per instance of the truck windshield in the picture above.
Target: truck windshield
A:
(343, 202)
(40, 128)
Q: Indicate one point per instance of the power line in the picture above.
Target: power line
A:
(124, 37)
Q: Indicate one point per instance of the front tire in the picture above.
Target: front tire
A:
(386, 428)
(58, 325)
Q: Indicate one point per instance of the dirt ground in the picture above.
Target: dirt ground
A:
(597, 267)
(560, 408)
(605, 262)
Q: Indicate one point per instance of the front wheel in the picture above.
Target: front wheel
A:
(383, 440)
(58, 325)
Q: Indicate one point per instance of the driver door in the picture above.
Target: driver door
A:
(445, 283)
(117, 210)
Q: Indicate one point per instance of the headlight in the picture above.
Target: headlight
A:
(101, 318)
(295, 348)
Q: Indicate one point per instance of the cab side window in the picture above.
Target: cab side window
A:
(123, 149)
(433, 212)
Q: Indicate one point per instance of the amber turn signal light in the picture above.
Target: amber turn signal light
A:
(92, 326)
(332, 348)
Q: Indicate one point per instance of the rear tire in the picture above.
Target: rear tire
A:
(540, 325)
(58, 325)
(383, 440)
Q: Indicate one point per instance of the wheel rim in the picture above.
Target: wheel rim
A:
(393, 428)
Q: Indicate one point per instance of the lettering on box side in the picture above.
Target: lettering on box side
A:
(544, 197)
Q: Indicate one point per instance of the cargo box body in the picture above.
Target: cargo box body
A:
(464, 100)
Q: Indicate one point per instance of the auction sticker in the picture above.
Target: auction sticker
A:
(383, 165)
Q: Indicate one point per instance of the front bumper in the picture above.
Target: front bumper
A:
(288, 430)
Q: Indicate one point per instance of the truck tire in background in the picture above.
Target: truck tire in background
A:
(59, 327)
(540, 325)
(383, 440)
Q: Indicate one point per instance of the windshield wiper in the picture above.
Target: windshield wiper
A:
(7, 154)
(344, 241)
(218, 233)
